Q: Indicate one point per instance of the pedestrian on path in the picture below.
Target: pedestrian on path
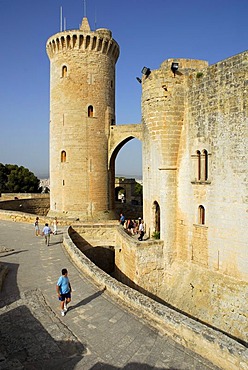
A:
(122, 219)
(63, 289)
(46, 232)
(141, 230)
(37, 227)
(55, 226)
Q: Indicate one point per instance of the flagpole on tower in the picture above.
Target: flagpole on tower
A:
(95, 18)
(61, 17)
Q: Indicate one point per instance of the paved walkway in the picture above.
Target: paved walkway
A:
(96, 333)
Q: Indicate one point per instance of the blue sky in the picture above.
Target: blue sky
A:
(148, 32)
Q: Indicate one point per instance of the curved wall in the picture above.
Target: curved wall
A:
(82, 108)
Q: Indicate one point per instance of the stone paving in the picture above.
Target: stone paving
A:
(96, 333)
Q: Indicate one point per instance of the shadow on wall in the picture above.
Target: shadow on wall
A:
(102, 257)
(129, 210)
(118, 275)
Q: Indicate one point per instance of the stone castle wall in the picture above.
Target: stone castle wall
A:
(216, 122)
(195, 168)
(194, 132)
(208, 296)
(163, 111)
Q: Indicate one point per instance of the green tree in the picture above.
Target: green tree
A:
(20, 180)
(138, 189)
(3, 177)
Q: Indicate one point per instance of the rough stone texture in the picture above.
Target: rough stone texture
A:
(194, 155)
(191, 288)
(217, 300)
(194, 132)
(82, 106)
(222, 350)
(35, 205)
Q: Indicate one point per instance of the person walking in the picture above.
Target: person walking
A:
(55, 226)
(46, 232)
(141, 230)
(122, 219)
(37, 227)
(63, 289)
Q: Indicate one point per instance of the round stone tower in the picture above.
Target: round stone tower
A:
(82, 109)
(164, 108)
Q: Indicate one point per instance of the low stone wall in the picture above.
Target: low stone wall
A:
(12, 196)
(139, 265)
(207, 342)
(97, 243)
(36, 206)
(29, 218)
(220, 349)
(98, 234)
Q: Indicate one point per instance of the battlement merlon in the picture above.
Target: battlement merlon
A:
(84, 39)
(184, 64)
(185, 67)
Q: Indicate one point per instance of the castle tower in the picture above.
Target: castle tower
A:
(163, 112)
(82, 109)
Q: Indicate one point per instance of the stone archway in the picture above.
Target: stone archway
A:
(119, 136)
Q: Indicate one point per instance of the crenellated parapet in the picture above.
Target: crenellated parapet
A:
(82, 108)
(84, 39)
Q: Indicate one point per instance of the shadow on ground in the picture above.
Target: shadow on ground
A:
(24, 343)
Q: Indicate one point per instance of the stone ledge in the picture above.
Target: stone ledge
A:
(211, 344)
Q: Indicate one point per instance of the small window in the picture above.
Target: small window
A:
(90, 111)
(64, 71)
(201, 166)
(63, 156)
(201, 215)
(198, 165)
(205, 157)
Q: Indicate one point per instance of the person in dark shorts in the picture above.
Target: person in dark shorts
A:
(63, 289)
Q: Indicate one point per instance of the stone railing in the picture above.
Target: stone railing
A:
(211, 344)
(36, 204)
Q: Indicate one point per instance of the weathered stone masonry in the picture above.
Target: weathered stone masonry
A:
(82, 106)
(194, 135)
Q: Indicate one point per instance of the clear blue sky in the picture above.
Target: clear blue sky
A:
(148, 32)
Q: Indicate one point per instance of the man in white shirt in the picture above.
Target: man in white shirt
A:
(141, 230)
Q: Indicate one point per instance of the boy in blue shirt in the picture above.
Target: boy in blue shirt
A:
(63, 289)
(47, 231)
